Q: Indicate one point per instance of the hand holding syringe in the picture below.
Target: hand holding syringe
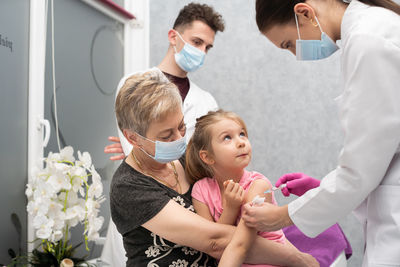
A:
(257, 200)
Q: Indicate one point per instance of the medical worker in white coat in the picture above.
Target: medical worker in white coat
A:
(367, 178)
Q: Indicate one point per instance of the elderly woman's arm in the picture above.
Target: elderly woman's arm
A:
(184, 227)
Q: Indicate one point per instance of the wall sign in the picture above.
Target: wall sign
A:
(6, 43)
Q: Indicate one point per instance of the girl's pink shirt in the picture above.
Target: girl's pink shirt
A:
(207, 191)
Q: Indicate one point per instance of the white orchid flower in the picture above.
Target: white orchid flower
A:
(29, 191)
(67, 154)
(93, 228)
(92, 206)
(60, 196)
(72, 199)
(43, 232)
(77, 183)
(75, 214)
(85, 159)
(79, 171)
(44, 226)
(59, 182)
(54, 210)
(95, 190)
(59, 222)
(42, 189)
(62, 168)
(53, 157)
(56, 236)
(35, 208)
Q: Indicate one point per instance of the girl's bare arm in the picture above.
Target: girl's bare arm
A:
(236, 252)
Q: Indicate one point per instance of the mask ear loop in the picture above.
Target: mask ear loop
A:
(180, 36)
(297, 25)
(181, 39)
(141, 148)
(319, 25)
(145, 138)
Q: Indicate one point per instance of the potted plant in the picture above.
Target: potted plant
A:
(64, 192)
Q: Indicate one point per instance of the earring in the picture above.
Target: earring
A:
(314, 24)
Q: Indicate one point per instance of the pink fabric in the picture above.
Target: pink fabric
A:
(207, 191)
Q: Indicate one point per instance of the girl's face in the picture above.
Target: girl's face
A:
(231, 147)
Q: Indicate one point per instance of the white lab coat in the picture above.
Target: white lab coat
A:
(197, 103)
(368, 172)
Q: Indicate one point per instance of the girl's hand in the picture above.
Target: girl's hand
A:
(233, 195)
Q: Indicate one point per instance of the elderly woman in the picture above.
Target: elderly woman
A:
(150, 196)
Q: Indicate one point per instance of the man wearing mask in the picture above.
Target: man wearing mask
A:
(190, 39)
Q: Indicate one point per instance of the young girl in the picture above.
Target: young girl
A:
(216, 158)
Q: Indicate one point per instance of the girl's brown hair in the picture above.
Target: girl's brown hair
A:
(196, 168)
(270, 13)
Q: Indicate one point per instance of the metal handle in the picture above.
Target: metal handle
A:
(46, 124)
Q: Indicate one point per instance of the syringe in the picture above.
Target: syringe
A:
(274, 188)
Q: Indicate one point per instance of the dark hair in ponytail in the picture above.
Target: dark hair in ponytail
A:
(274, 12)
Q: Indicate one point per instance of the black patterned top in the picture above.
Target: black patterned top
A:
(135, 199)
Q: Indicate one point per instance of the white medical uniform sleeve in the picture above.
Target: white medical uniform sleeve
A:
(126, 146)
(197, 103)
(369, 111)
(212, 103)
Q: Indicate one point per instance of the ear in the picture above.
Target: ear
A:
(304, 12)
(172, 35)
(131, 137)
(206, 157)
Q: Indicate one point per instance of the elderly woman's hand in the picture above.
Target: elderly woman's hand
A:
(266, 217)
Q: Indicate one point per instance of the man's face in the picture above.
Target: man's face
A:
(198, 34)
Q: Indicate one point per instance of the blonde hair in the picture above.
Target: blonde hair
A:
(196, 168)
(145, 98)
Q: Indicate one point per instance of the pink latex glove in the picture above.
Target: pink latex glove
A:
(296, 183)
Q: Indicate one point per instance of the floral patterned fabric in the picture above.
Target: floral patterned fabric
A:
(135, 199)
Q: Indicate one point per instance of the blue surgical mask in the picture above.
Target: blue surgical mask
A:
(167, 151)
(189, 58)
(314, 49)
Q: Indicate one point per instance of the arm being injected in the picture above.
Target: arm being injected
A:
(257, 200)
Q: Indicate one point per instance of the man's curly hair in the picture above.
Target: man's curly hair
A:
(201, 12)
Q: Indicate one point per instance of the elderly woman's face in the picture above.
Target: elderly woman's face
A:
(170, 129)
